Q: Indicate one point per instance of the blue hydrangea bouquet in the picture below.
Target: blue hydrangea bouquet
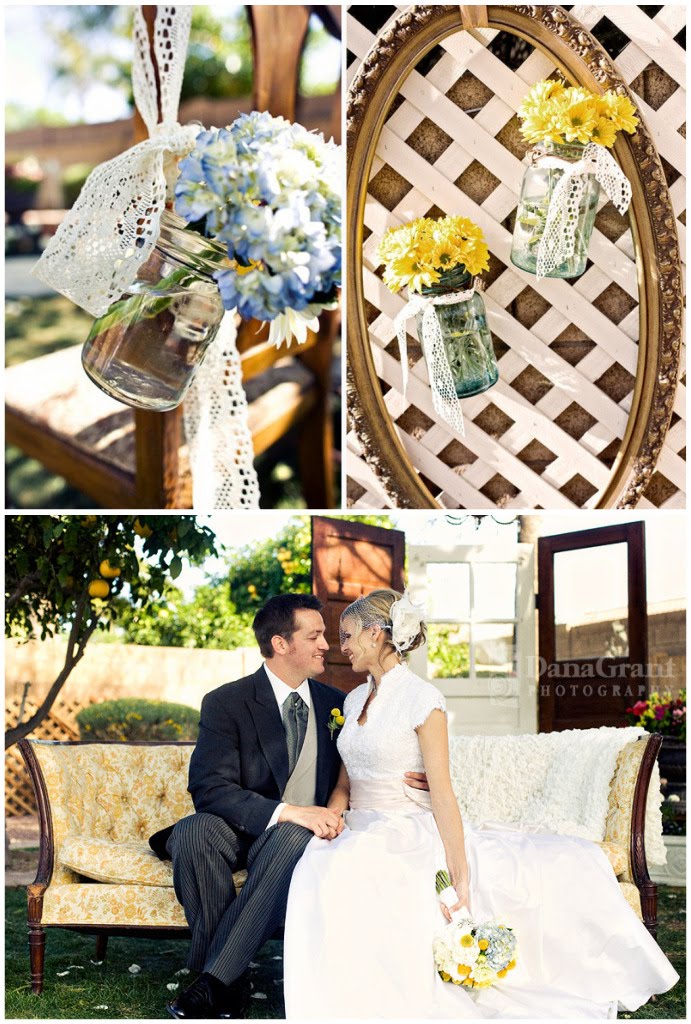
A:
(469, 954)
(270, 192)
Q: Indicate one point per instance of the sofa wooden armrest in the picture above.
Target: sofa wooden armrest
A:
(84, 794)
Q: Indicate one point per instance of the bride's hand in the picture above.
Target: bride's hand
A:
(463, 901)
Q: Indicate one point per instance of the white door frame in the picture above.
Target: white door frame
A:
(503, 705)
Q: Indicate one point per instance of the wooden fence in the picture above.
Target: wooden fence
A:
(548, 433)
(61, 724)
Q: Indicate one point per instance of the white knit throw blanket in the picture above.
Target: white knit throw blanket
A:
(558, 781)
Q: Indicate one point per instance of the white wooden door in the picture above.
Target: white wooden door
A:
(481, 649)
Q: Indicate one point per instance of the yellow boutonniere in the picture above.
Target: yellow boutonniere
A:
(336, 720)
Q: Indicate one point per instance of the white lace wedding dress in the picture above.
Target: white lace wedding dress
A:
(362, 910)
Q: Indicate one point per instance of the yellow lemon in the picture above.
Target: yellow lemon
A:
(109, 571)
(502, 973)
(483, 944)
(511, 966)
(99, 588)
(141, 529)
(340, 719)
(444, 976)
(466, 940)
(463, 970)
(335, 712)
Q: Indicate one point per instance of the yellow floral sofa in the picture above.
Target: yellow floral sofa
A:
(99, 802)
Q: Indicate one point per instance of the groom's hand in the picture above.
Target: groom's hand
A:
(416, 780)
(324, 823)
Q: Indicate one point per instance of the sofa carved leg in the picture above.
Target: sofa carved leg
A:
(101, 946)
(648, 893)
(37, 951)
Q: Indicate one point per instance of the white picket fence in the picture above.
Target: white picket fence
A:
(547, 434)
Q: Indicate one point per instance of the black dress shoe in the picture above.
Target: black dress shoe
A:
(207, 998)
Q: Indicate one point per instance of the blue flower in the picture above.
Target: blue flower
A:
(270, 191)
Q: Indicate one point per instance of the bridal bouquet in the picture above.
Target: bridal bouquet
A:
(269, 191)
(473, 955)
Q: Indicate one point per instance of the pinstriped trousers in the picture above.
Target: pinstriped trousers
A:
(227, 930)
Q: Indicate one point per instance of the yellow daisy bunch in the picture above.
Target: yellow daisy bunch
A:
(567, 114)
(416, 255)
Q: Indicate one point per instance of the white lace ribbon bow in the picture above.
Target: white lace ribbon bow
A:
(444, 397)
(112, 228)
(558, 241)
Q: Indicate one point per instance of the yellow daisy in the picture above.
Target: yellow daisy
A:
(540, 95)
(604, 133)
(620, 110)
(576, 120)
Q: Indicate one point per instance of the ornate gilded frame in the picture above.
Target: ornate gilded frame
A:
(583, 60)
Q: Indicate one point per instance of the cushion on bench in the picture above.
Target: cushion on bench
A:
(123, 863)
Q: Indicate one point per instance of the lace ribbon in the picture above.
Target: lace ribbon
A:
(110, 233)
(112, 228)
(558, 240)
(444, 397)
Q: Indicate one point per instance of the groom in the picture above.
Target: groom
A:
(260, 777)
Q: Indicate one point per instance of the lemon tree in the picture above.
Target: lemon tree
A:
(72, 575)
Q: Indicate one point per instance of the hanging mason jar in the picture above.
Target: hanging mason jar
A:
(145, 350)
(537, 190)
(466, 336)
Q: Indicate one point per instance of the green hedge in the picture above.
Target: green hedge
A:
(132, 718)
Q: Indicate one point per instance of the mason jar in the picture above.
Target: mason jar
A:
(537, 189)
(466, 336)
(145, 350)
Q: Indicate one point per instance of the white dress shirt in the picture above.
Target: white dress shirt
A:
(281, 692)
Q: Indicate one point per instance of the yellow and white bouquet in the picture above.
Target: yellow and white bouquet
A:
(564, 114)
(473, 955)
(417, 255)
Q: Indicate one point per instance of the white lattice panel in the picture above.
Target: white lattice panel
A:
(547, 434)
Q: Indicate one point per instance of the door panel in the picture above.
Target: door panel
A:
(348, 560)
(593, 626)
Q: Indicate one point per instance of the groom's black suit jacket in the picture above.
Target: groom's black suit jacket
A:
(239, 767)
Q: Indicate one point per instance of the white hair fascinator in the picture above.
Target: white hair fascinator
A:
(406, 619)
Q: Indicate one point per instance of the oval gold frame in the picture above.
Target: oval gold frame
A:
(581, 59)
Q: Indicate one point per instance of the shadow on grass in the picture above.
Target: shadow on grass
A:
(110, 991)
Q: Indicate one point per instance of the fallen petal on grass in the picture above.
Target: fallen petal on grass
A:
(185, 970)
(75, 967)
(96, 963)
(134, 968)
(104, 1007)
(172, 985)
(61, 974)
(258, 995)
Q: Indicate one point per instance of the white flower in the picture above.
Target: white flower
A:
(405, 622)
(103, 1006)
(134, 968)
(258, 995)
(673, 798)
(293, 323)
(172, 985)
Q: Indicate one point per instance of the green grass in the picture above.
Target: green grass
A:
(109, 990)
(123, 995)
(37, 326)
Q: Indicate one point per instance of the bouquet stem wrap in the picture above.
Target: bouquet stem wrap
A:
(444, 397)
(111, 231)
(558, 240)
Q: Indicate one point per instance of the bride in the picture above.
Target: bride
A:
(362, 910)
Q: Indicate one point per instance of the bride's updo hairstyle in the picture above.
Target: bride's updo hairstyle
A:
(392, 612)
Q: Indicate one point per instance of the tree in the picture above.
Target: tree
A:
(219, 615)
(73, 574)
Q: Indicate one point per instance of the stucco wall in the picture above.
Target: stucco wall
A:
(118, 670)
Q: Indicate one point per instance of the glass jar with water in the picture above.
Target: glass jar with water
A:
(145, 350)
